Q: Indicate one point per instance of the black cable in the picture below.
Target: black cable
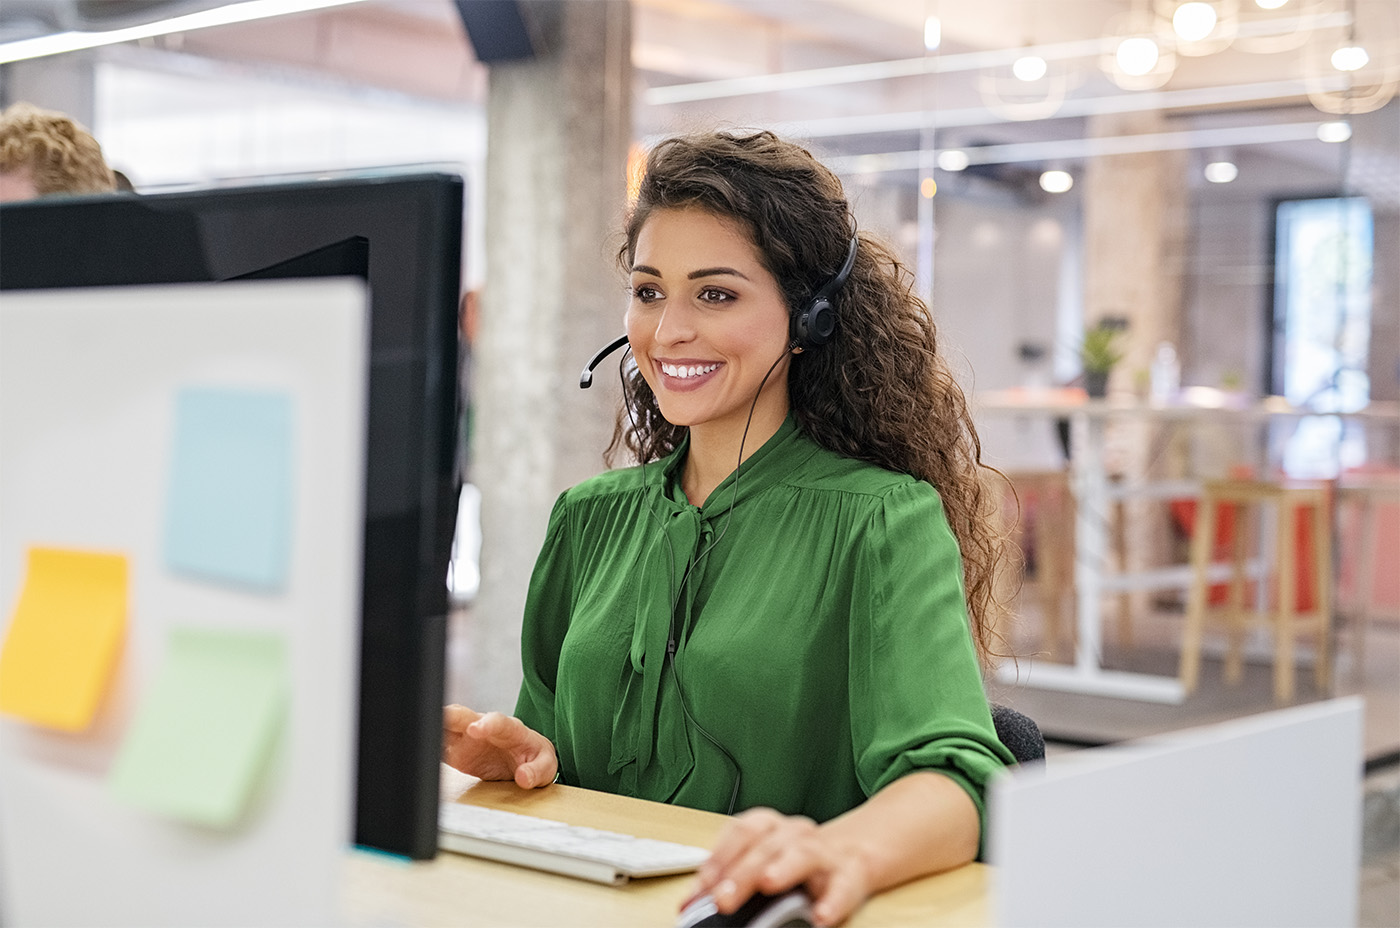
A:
(678, 591)
(671, 642)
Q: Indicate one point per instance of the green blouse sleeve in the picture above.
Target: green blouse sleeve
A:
(917, 701)
(548, 604)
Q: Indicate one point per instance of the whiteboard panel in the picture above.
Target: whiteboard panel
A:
(88, 381)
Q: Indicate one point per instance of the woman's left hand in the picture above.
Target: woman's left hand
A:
(764, 851)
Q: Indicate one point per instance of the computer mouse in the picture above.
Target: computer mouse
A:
(792, 909)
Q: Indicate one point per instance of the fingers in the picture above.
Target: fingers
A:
(844, 891)
(745, 831)
(787, 861)
(456, 718)
(514, 739)
(533, 753)
(538, 772)
(763, 851)
(526, 756)
(471, 743)
(498, 729)
(760, 851)
(455, 721)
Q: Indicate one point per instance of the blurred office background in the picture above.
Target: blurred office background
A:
(1219, 180)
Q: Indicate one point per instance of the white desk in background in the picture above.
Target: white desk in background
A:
(1093, 492)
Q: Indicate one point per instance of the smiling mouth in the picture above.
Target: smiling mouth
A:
(687, 371)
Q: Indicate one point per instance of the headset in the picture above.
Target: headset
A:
(811, 326)
(585, 379)
(814, 324)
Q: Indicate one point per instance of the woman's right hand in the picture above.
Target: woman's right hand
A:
(497, 747)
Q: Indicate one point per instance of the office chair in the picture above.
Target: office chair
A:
(1019, 733)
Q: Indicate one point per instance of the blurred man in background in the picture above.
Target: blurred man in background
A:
(43, 152)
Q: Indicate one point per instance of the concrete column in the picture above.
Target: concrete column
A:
(1135, 222)
(558, 132)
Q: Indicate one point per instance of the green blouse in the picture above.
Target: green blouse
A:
(820, 636)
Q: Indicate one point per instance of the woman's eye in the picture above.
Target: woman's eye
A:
(646, 293)
(714, 295)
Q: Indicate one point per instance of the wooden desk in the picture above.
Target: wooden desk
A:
(465, 891)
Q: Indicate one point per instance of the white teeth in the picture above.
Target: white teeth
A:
(685, 372)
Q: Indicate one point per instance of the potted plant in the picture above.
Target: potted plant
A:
(1100, 351)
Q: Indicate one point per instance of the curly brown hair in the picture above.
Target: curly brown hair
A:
(879, 391)
(59, 155)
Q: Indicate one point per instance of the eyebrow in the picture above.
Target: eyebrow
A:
(693, 275)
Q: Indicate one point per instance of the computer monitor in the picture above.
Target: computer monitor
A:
(402, 233)
(1251, 821)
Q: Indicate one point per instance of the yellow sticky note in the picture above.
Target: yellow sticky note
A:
(64, 638)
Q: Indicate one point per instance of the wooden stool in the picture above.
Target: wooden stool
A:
(1367, 492)
(1283, 615)
(1052, 535)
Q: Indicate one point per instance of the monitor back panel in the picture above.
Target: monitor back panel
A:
(1255, 821)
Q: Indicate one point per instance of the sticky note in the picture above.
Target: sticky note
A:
(229, 501)
(206, 726)
(64, 638)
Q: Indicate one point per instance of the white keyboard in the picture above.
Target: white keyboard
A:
(587, 853)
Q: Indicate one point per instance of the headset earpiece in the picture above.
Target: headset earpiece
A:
(815, 323)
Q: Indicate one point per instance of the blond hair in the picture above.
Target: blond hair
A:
(57, 154)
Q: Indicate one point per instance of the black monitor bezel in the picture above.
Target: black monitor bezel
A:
(413, 226)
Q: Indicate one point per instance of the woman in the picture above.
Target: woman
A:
(777, 612)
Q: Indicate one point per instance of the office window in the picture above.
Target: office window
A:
(178, 122)
(1322, 326)
(197, 126)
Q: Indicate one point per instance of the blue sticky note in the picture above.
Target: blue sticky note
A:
(229, 502)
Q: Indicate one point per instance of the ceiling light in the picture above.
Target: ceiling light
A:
(952, 160)
(1334, 132)
(1221, 172)
(928, 187)
(1137, 55)
(1350, 58)
(1029, 68)
(933, 33)
(1056, 181)
(58, 43)
(1194, 21)
(1061, 151)
(1269, 4)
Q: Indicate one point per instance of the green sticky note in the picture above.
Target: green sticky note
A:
(206, 727)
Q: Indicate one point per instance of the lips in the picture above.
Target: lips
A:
(687, 371)
(687, 374)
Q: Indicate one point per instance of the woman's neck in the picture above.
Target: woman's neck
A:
(715, 450)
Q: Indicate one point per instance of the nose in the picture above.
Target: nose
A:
(676, 323)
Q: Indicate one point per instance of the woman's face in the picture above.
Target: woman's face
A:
(707, 321)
